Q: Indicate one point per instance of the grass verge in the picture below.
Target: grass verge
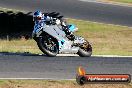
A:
(105, 39)
(55, 84)
(121, 1)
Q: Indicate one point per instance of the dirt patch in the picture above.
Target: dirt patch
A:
(56, 84)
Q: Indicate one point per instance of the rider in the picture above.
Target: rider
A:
(38, 15)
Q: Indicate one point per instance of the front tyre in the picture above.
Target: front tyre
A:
(85, 50)
(48, 46)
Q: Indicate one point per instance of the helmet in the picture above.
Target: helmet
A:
(37, 15)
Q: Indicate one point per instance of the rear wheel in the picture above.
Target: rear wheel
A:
(48, 45)
(85, 50)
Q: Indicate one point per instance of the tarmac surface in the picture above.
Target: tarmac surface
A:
(77, 9)
(65, 67)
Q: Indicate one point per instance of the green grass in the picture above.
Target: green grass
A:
(125, 1)
(18, 45)
(7, 9)
(105, 39)
(122, 1)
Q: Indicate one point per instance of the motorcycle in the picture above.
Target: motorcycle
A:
(52, 40)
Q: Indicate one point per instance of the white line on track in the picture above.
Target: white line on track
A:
(74, 55)
(110, 56)
(34, 79)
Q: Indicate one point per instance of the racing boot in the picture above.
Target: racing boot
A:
(78, 40)
(69, 34)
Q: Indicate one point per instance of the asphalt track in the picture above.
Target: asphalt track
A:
(106, 13)
(42, 67)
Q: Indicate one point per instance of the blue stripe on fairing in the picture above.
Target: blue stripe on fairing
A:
(63, 40)
(72, 27)
(61, 43)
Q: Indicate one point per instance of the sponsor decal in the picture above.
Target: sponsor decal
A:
(83, 78)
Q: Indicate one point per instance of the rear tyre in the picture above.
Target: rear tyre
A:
(48, 45)
(85, 50)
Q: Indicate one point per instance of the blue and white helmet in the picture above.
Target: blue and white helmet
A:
(38, 15)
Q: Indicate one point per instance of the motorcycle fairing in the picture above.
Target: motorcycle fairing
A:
(65, 45)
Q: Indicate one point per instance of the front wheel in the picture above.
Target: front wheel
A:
(48, 45)
(85, 50)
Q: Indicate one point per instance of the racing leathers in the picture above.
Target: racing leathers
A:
(63, 23)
